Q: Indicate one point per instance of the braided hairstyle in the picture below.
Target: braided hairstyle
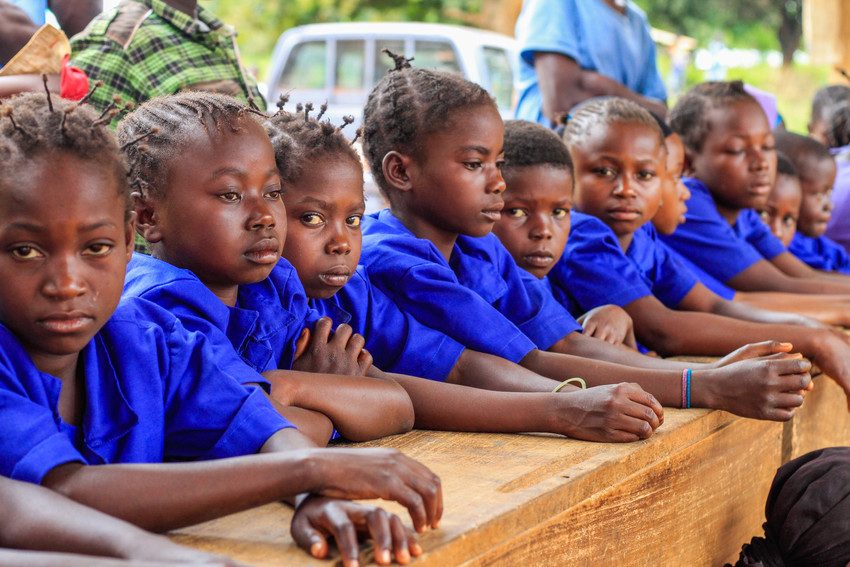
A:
(528, 143)
(170, 122)
(797, 148)
(689, 118)
(408, 104)
(299, 139)
(34, 126)
(588, 117)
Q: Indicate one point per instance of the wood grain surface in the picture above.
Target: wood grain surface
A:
(692, 494)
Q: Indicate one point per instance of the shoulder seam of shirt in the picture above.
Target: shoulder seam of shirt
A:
(129, 18)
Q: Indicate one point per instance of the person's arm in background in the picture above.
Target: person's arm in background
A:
(75, 15)
(828, 309)
(563, 84)
(765, 276)
(16, 28)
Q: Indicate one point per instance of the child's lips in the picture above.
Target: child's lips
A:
(624, 214)
(539, 259)
(66, 323)
(266, 251)
(494, 213)
(337, 276)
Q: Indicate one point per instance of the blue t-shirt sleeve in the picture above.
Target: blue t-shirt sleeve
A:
(673, 280)
(652, 85)
(594, 270)
(190, 301)
(397, 341)
(708, 281)
(543, 319)
(431, 293)
(31, 441)
(759, 235)
(708, 240)
(549, 26)
(209, 414)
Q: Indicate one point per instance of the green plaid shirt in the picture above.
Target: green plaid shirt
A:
(145, 48)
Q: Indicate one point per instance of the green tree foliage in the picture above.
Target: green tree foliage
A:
(759, 24)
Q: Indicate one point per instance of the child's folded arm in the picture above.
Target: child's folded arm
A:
(349, 401)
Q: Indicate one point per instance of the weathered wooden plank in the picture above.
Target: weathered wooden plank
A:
(509, 493)
(823, 421)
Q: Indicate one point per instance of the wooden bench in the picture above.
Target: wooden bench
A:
(692, 494)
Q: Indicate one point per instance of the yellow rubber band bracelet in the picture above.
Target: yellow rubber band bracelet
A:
(576, 380)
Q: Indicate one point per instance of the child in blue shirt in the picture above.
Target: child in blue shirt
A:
(216, 226)
(782, 208)
(731, 153)
(325, 203)
(436, 153)
(98, 396)
(816, 171)
(594, 270)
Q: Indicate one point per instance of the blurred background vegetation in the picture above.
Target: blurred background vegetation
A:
(768, 26)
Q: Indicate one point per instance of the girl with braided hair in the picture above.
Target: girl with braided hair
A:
(112, 402)
(434, 143)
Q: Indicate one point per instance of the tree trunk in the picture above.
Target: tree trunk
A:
(790, 30)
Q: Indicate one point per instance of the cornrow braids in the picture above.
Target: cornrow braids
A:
(167, 123)
(689, 118)
(34, 126)
(588, 117)
(838, 125)
(298, 139)
(409, 103)
(528, 143)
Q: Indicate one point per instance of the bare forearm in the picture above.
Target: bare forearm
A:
(349, 401)
(828, 309)
(162, 497)
(576, 344)
(480, 370)
(451, 407)
(737, 310)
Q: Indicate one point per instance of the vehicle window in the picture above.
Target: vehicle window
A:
(350, 61)
(305, 68)
(437, 55)
(501, 76)
(382, 62)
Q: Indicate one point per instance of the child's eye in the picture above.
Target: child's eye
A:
(789, 221)
(26, 252)
(765, 216)
(646, 175)
(516, 213)
(472, 165)
(230, 197)
(312, 219)
(98, 249)
(560, 213)
(274, 194)
(500, 163)
(735, 151)
(354, 221)
(606, 172)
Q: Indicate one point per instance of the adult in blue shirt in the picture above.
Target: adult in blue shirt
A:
(572, 50)
(20, 19)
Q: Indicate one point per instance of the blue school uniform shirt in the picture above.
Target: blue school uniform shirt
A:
(820, 253)
(709, 241)
(595, 271)
(155, 392)
(263, 326)
(397, 341)
(480, 297)
(596, 37)
(712, 283)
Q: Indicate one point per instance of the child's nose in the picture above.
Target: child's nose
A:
(339, 245)
(625, 187)
(64, 279)
(540, 229)
(261, 217)
(497, 183)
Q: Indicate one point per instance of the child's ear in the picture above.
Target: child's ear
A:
(396, 169)
(688, 170)
(146, 217)
(130, 234)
